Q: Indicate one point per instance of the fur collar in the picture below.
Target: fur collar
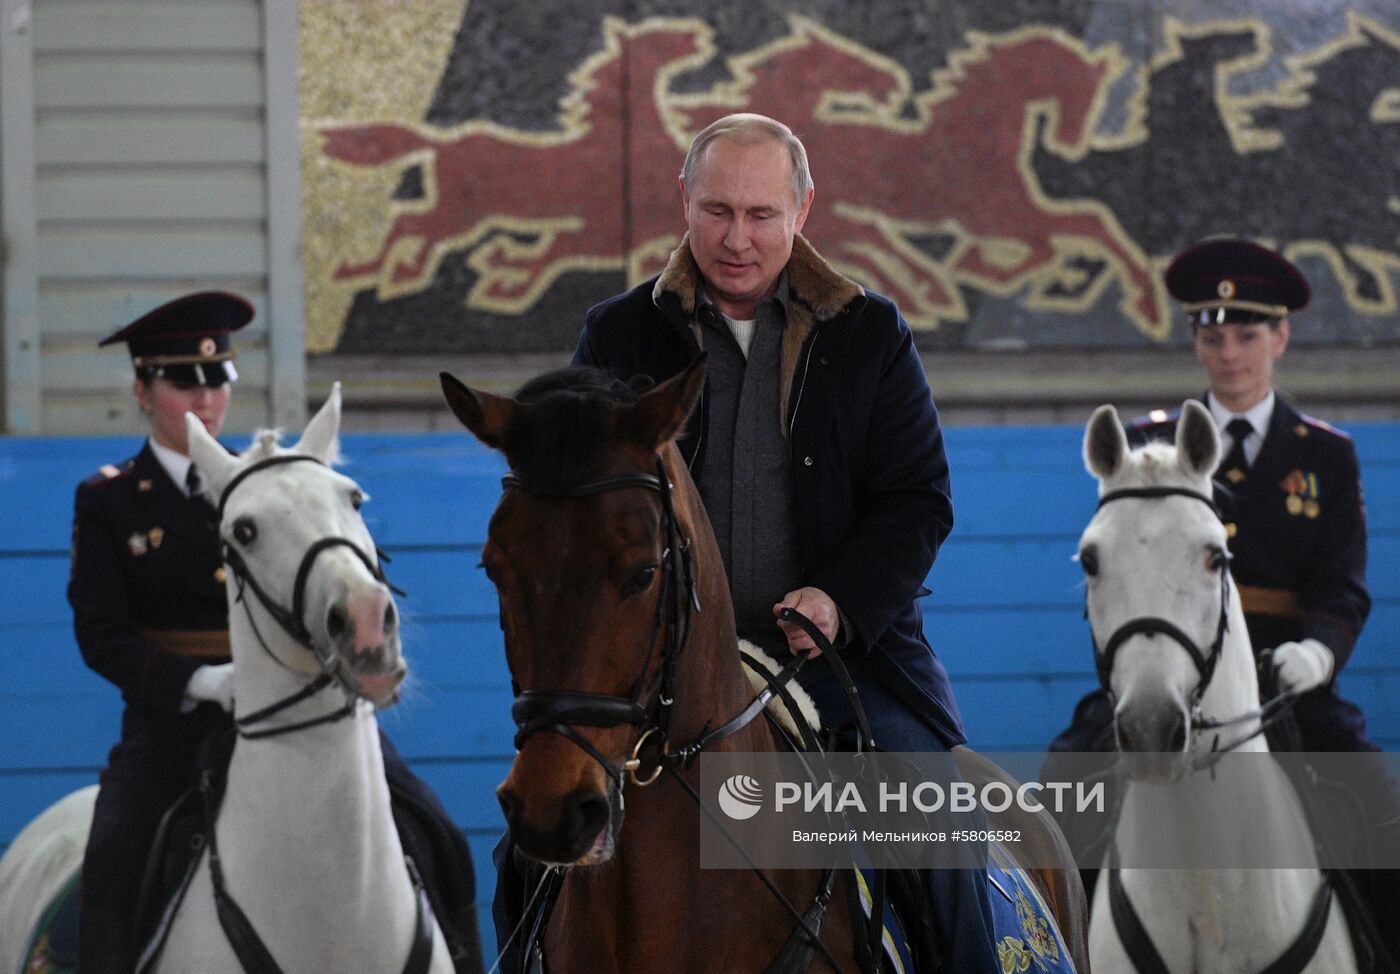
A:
(817, 292)
(812, 283)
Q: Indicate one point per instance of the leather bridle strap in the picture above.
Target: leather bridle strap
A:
(252, 953)
(1146, 959)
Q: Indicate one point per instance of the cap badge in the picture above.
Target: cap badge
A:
(207, 347)
(1226, 289)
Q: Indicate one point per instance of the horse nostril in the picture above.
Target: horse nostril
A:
(1176, 741)
(585, 815)
(391, 617)
(337, 621)
(510, 805)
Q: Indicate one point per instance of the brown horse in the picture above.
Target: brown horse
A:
(619, 631)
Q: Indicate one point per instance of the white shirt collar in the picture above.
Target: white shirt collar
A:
(1259, 416)
(177, 465)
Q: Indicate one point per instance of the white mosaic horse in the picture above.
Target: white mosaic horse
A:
(306, 841)
(1175, 655)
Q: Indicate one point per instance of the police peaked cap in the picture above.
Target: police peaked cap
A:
(187, 340)
(1235, 281)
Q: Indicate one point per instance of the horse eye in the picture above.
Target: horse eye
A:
(357, 497)
(244, 530)
(1089, 561)
(639, 581)
(1217, 559)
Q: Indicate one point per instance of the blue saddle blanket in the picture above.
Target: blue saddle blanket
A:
(1027, 938)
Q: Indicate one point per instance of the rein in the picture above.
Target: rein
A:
(290, 621)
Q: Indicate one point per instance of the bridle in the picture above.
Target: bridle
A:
(291, 621)
(559, 711)
(1205, 660)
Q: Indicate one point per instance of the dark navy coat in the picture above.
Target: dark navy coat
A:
(145, 557)
(872, 495)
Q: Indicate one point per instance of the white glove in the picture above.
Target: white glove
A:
(213, 683)
(1302, 666)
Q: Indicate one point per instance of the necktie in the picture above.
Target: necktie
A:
(194, 483)
(1234, 466)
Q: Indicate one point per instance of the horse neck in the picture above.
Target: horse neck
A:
(1234, 689)
(334, 769)
(711, 686)
(309, 810)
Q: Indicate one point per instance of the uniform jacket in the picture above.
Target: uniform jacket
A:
(145, 557)
(871, 485)
(1299, 525)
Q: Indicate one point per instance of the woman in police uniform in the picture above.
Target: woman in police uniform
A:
(150, 614)
(1292, 500)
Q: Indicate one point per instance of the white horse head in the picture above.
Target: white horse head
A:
(301, 558)
(1166, 621)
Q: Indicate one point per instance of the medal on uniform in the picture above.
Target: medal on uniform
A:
(1311, 509)
(156, 536)
(1294, 504)
(137, 544)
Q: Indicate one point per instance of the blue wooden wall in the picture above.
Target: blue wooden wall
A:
(1005, 614)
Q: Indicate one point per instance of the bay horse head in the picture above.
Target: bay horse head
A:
(304, 574)
(602, 559)
(1165, 617)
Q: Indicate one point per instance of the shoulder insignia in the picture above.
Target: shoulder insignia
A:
(1319, 424)
(111, 471)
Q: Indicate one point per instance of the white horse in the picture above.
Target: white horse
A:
(306, 844)
(1175, 656)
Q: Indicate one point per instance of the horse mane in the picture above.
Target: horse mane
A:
(1154, 464)
(267, 442)
(568, 423)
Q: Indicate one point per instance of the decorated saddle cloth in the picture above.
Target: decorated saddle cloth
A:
(53, 946)
(1027, 939)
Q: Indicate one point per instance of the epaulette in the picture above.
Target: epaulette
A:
(1312, 421)
(110, 471)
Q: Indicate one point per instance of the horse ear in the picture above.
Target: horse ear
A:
(1105, 444)
(487, 416)
(1197, 440)
(321, 438)
(213, 461)
(656, 419)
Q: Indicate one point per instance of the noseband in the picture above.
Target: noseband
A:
(291, 621)
(1148, 625)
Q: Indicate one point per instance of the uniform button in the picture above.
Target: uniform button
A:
(806, 461)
